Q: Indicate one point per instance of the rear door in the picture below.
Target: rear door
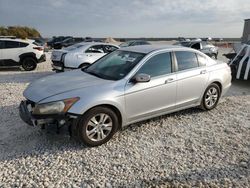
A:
(192, 77)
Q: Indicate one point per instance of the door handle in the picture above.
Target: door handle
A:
(203, 72)
(169, 80)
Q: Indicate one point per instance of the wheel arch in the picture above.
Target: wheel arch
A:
(113, 108)
(29, 54)
(217, 83)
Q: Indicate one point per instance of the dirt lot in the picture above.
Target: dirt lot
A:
(191, 147)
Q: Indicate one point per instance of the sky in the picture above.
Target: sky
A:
(128, 18)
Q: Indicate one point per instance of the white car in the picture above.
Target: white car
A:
(18, 52)
(80, 55)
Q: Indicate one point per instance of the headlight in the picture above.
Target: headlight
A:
(213, 49)
(57, 107)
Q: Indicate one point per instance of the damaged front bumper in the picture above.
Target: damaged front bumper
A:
(25, 112)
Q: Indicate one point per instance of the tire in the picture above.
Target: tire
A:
(29, 64)
(211, 97)
(214, 56)
(83, 65)
(90, 128)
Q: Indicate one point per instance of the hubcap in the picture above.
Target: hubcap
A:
(99, 127)
(211, 97)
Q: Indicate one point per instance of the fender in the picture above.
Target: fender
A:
(29, 54)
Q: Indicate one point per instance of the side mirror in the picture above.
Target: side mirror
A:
(141, 78)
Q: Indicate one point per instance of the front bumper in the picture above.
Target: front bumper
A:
(58, 66)
(42, 58)
(25, 112)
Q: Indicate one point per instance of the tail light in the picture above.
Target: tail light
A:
(63, 57)
(39, 48)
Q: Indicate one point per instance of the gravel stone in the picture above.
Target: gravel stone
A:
(190, 148)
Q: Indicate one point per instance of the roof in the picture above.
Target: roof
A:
(95, 43)
(18, 40)
(150, 48)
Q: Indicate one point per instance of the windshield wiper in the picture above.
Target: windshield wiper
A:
(92, 73)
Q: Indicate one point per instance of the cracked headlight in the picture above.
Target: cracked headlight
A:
(57, 107)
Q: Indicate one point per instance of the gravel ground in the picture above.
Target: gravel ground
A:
(190, 148)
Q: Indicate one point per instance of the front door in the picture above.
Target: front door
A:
(145, 100)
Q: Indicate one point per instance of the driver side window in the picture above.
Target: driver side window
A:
(157, 65)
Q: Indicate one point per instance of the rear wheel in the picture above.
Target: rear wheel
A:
(96, 127)
(29, 64)
(211, 97)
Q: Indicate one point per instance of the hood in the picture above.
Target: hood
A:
(61, 83)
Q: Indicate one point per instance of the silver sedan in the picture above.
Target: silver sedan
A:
(126, 86)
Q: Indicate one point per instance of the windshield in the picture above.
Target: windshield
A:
(115, 65)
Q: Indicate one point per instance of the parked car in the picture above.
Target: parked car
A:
(134, 43)
(67, 42)
(54, 40)
(39, 41)
(203, 46)
(79, 55)
(126, 86)
(18, 52)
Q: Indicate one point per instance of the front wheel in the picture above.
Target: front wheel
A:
(97, 126)
(214, 56)
(211, 97)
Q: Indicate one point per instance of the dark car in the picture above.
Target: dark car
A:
(54, 40)
(134, 43)
(39, 41)
(67, 42)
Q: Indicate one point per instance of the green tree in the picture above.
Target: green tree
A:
(19, 32)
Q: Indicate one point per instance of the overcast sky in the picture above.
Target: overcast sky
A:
(128, 18)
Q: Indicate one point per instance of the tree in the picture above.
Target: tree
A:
(19, 32)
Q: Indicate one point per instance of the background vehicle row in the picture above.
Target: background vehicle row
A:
(80, 55)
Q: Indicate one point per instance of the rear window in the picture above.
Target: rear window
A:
(186, 60)
(23, 44)
(11, 44)
(35, 43)
(202, 60)
(1, 44)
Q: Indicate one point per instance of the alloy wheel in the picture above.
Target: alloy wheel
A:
(99, 127)
(211, 97)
